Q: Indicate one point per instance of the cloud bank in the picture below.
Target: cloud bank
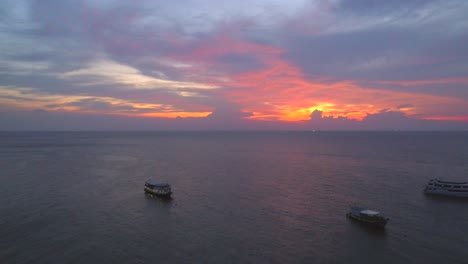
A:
(209, 65)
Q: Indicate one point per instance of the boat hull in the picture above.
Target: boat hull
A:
(375, 224)
(158, 192)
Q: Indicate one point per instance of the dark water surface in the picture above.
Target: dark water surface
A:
(239, 197)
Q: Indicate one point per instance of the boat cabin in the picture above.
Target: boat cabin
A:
(367, 216)
(157, 188)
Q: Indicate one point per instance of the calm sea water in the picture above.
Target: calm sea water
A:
(239, 197)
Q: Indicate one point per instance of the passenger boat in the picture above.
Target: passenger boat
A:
(368, 217)
(448, 188)
(157, 188)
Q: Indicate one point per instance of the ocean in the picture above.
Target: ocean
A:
(239, 197)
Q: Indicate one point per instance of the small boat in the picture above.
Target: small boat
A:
(157, 188)
(448, 188)
(368, 217)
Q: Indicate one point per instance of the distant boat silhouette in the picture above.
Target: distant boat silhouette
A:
(447, 188)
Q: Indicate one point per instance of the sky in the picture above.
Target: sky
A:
(220, 64)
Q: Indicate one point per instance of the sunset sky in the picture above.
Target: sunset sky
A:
(205, 64)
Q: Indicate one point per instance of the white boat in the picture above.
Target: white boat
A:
(158, 188)
(457, 189)
(368, 217)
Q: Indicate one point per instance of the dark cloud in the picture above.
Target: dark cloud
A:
(72, 121)
(384, 40)
(390, 120)
(319, 122)
(389, 53)
(385, 120)
(226, 114)
(316, 115)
